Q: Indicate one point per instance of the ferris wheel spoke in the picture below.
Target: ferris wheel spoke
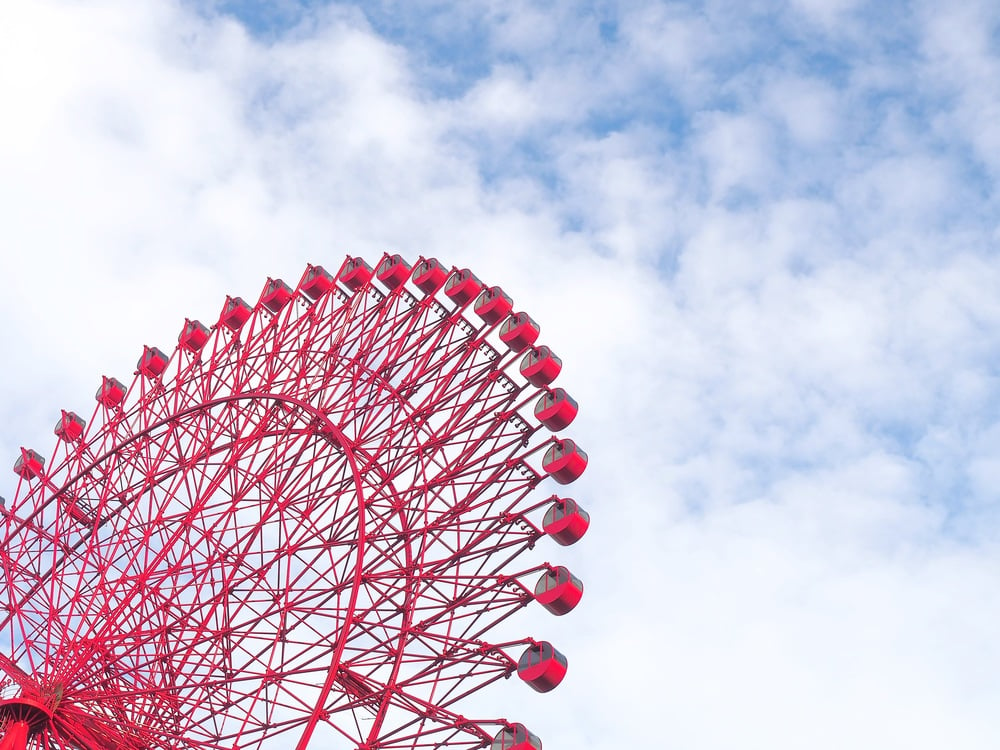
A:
(435, 355)
(301, 524)
(426, 347)
(130, 562)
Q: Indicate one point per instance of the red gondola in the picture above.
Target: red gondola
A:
(278, 413)
(393, 271)
(542, 667)
(540, 366)
(111, 393)
(276, 295)
(315, 282)
(516, 737)
(519, 331)
(69, 427)
(193, 336)
(493, 305)
(235, 313)
(556, 409)
(29, 463)
(558, 590)
(462, 286)
(355, 273)
(152, 362)
(429, 275)
(565, 521)
(564, 461)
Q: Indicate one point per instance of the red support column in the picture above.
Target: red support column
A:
(16, 736)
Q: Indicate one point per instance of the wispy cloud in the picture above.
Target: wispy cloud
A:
(762, 236)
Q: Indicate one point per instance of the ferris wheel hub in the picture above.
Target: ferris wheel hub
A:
(20, 718)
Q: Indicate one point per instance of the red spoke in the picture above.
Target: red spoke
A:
(306, 528)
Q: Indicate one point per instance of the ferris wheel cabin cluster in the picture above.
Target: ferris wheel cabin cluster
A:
(299, 525)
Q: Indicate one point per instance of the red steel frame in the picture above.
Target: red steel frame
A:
(305, 530)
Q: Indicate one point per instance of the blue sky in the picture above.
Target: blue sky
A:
(762, 235)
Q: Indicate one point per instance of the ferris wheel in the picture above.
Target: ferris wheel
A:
(302, 524)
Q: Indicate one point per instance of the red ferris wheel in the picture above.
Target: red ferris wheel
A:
(300, 526)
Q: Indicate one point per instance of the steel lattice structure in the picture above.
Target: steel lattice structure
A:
(301, 524)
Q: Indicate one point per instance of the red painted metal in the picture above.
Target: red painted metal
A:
(493, 305)
(29, 464)
(152, 362)
(558, 590)
(462, 287)
(193, 336)
(556, 409)
(542, 666)
(565, 521)
(519, 331)
(515, 737)
(429, 275)
(76, 511)
(315, 282)
(540, 366)
(301, 531)
(276, 295)
(111, 393)
(235, 313)
(15, 736)
(355, 273)
(70, 426)
(393, 271)
(20, 718)
(564, 461)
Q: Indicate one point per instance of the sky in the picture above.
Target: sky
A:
(762, 235)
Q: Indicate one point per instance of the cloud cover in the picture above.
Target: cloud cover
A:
(761, 235)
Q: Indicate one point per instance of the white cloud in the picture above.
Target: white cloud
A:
(827, 13)
(808, 108)
(776, 304)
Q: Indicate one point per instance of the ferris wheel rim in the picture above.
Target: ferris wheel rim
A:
(414, 423)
